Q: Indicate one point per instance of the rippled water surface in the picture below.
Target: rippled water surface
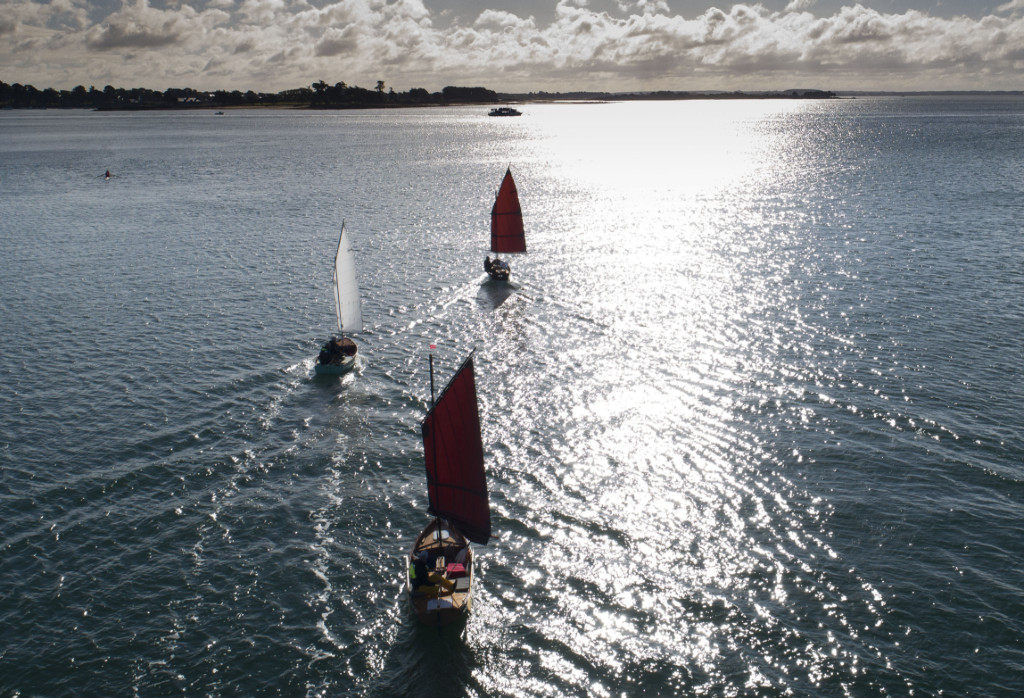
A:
(751, 405)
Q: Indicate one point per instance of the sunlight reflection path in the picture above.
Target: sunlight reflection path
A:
(667, 534)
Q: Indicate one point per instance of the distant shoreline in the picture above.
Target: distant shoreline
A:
(321, 96)
(343, 96)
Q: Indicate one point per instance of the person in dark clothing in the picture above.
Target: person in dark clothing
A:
(420, 572)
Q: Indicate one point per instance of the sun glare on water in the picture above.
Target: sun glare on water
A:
(664, 251)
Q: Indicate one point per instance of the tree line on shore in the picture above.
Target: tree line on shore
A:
(321, 95)
(317, 95)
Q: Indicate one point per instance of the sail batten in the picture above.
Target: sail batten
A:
(507, 234)
(346, 288)
(453, 451)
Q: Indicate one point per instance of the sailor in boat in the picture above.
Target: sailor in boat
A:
(420, 571)
(496, 267)
(420, 574)
(337, 350)
(429, 574)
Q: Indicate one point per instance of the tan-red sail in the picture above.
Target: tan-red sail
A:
(507, 219)
(454, 454)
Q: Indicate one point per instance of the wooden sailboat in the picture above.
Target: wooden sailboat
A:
(507, 234)
(439, 580)
(338, 355)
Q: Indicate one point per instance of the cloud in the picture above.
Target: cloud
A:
(33, 18)
(643, 6)
(799, 5)
(856, 47)
(338, 42)
(278, 44)
(501, 21)
(141, 26)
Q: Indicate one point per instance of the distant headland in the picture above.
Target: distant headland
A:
(320, 95)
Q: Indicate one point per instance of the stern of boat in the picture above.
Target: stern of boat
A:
(335, 369)
(450, 598)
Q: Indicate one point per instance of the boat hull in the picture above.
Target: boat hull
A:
(499, 274)
(336, 369)
(448, 596)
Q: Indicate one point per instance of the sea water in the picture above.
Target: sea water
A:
(751, 405)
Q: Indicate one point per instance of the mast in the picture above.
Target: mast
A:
(335, 282)
(431, 381)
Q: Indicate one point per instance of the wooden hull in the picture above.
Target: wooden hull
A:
(448, 595)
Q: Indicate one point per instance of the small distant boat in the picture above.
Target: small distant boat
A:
(219, 113)
(504, 111)
(338, 355)
(439, 579)
(507, 235)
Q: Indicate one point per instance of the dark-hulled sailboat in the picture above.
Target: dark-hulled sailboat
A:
(507, 235)
(440, 564)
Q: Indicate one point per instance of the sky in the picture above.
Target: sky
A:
(515, 45)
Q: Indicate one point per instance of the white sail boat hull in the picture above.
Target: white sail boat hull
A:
(338, 369)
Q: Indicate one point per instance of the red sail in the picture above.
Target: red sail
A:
(507, 219)
(454, 455)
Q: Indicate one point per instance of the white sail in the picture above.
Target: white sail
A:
(346, 289)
